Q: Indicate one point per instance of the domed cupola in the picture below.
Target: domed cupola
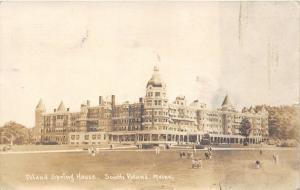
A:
(155, 103)
(155, 80)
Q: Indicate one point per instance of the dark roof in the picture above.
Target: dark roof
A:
(226, 101)
(154, 84)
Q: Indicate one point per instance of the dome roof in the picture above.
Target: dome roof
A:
(155, 80)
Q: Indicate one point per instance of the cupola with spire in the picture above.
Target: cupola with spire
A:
(155, 80)
(156, 91)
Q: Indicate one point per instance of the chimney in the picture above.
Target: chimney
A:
(88, 103)
(113, 100)
(100, 100)
(54, 110)
(141, 100)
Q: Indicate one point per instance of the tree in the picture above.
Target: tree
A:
(245, 128)
(15, 132)
(294, 134)
(283, 121)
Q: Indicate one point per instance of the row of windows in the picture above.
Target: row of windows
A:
(54, 138)
(127, 113)
(212, 115)
(184, 123)
(61, 117)
(156, 120)
(126, 128)
(165, 128)
(86, 143)
(55, 130)
(180, 102)
(215, 120)
(150, 94)
(87, 137)
(59, 129)
(156, 113)
(126, 121)
(213, 126)
(155, 102)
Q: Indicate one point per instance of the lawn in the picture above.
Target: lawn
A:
(229, 169)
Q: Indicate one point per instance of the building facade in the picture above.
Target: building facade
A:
(89, 138)
(153, 119)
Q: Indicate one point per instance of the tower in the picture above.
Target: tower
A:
(156, 103)
(37, 130)
(227, 116)
(39, 109)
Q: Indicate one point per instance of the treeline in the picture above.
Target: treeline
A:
(284, 122)
(15, 133)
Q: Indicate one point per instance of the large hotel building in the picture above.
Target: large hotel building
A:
(153, 119)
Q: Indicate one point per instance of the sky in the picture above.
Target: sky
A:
(77, 51)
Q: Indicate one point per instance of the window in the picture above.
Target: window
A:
(86, 137)
(157, 94)
(93, 137)
(73, 137)
(77, 137)
(99, 137)
(149, 103)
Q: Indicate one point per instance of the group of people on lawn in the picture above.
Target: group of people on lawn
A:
(275, 158)
(196, 162)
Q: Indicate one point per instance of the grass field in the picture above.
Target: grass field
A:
(229, 169)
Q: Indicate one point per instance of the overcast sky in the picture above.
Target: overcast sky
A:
(78, 51)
